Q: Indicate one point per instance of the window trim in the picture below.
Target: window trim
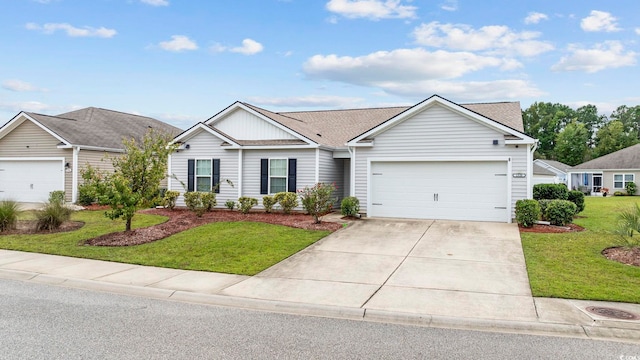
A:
(269, 176)
(196, 176)
(624, 181)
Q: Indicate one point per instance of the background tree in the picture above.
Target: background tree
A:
(137, 176)
(612, 137)
(588, 115)
(544, 121)
(629, 117)
(571, 144)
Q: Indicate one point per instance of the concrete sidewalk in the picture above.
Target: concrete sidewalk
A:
(556, 317)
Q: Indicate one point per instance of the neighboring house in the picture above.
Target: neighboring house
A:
(558, 169)
(612, 171)
(434, 160)
(42, 153)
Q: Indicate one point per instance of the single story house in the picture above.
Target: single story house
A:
(612, 171)
(558, 169)
(434, 160)
(42, 153)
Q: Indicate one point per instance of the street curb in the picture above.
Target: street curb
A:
(339, 312)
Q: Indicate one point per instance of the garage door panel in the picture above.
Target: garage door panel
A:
(440, 190)
(30, 180)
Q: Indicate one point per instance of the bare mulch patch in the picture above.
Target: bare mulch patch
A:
(182, 219)
(628, 256)
(29, 227)
(537, 228)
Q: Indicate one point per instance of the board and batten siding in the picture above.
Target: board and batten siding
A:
(241, 124)
(305, 175)
(30, 140)
(203, 145)
(436, 134)
(332, 172)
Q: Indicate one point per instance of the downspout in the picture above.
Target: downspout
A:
(74, 175)
(352, 171)
(530, 170)
(239, 173)
(317, 165)
(169, 177)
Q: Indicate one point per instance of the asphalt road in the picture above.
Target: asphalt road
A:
(48, 322)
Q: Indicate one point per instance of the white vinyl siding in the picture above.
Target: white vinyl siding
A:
(29, 140)
(204, 145)
(305, 168)
(241, 124)
(620, 180)
(332, 172)
(438, 134)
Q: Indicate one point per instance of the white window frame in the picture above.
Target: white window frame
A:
(624, 180)
(196, 176)
(286, 174)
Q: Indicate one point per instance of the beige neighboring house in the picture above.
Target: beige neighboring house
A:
(42, 153)
(612, 171)
(434, 160)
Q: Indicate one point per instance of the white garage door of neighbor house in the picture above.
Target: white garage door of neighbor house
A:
(30, 180)
(440, 190)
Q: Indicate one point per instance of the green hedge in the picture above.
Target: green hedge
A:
(550, 191)
(527, 212)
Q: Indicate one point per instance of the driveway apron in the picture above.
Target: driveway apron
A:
(445, 268)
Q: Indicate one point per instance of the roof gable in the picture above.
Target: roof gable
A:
(624, 159)
(36, 119)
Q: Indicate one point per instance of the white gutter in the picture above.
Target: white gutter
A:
(74, 174)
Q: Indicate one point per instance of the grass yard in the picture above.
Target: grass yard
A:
(244, 248)
(570, 265)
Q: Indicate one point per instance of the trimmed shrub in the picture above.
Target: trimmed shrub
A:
(268, 202)
(8, 214)
(577, 198)
(245, 204)
(631, 188)
(230, 204)
(52, 215)
(169, 199)
(199, 201)
(544, 203)
(527, 212)
(287, 201)
(560, 212)
(317, 200)
(550, 191)
(350, 206)
(56, 196)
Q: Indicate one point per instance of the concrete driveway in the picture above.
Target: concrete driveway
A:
(448, 268)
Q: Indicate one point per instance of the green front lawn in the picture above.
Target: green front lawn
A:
(570, 265)
(230, 247)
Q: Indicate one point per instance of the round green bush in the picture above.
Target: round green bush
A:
(577, 198)
(527, 212)
(350, 206)
(560, 212)
(550, 191)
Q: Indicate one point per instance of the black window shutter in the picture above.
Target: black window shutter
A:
(291, 181)
(264, 176)
(216, 175)
(191, 174)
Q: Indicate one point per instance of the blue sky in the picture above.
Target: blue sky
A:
(184, 61)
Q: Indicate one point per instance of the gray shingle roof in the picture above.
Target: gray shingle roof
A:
(336, 127)
(539, 170)
(627, 158)
(557, 164)
(102, 128)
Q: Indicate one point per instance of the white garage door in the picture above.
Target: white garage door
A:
(440, 190)
(30, 180)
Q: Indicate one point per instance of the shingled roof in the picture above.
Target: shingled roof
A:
(337, 127)
(101, 128)
(625, 159)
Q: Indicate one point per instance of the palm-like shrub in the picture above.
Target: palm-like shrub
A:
(8, 214)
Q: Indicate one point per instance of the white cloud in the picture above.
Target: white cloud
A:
(249, 47)
(637, 31)
(463, 91)
(535, 17)
(606, 55)
(20, 86)
(156, 2)
(87, 31)
(450, 5)
(321, 101)
(31, 106)
(599, 21)
(178, 43)
(371, 9)
(399, 65)
(495, 39)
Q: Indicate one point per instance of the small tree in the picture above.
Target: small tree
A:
(631, 188)
(137, 176)
(317, 200)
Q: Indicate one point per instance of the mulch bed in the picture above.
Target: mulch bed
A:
(627, 256)
(537, 228)
(182, 219)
